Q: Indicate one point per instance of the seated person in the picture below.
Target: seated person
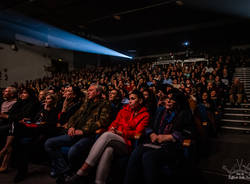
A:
(30, 135)
(115, 99)
(163, 144)
(10, 98)
(72, 102)
(24, 109)
(93, 115)
(129, 123)
(41, 97)
(236, 92)
(205, 110)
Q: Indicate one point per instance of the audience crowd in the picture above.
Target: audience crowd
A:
(85, 120)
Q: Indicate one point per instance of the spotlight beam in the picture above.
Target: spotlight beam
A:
(38, 33)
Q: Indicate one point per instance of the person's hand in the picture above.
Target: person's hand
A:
(165, 138)
(112, 129)
(115, 131)
(46, 107)
(66, 103)
(153, 137)
(24, 119)
(4, 116)
(65, 125)
(71, 131)
(78, 132)
(118, 132)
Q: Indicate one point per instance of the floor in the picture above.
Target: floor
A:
(229, 151)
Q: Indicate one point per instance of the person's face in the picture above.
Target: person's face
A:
(203, 79)
(48, 100)
(213, 93)
(24, 95)
(160, 94)
(217, 78)
(169, 103)
(7, 93)
(209, 85)
(69, 93)
(187, 90)
(92, 93)
(41, 96)
(112, 95)
(146, 94)
(236, 81)
(204, 96)
(133, 101)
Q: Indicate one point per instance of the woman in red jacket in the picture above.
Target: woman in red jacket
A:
(129, 123)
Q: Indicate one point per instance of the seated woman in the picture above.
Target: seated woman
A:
(72, 102)
(25, 109)
(163, 144)
(129, 123)
(205, 111)
(31, 135)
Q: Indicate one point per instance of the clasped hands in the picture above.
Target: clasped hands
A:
(115, 131)
(73, 132)
(161, 138)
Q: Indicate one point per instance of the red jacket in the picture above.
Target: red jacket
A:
(129, 124)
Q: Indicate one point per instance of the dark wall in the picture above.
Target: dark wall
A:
(82, 59)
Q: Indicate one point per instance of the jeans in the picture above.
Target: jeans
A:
(145, 163)
(78, 147)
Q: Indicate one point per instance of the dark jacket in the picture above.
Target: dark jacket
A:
(180, 126)
(64, 117)
(23, 109)
(91, 116)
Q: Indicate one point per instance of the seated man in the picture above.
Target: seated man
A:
(10, 97)
(94, 114)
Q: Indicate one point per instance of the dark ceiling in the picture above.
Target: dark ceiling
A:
(148, 26)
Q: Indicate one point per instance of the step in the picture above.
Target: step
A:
(236, 114)
(235, 121)
(242, 76)
(242, 68)
(235, 129)
(243, 105)
(241, 73)
(237, 110)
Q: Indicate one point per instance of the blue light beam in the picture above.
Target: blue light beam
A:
(35, 32)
